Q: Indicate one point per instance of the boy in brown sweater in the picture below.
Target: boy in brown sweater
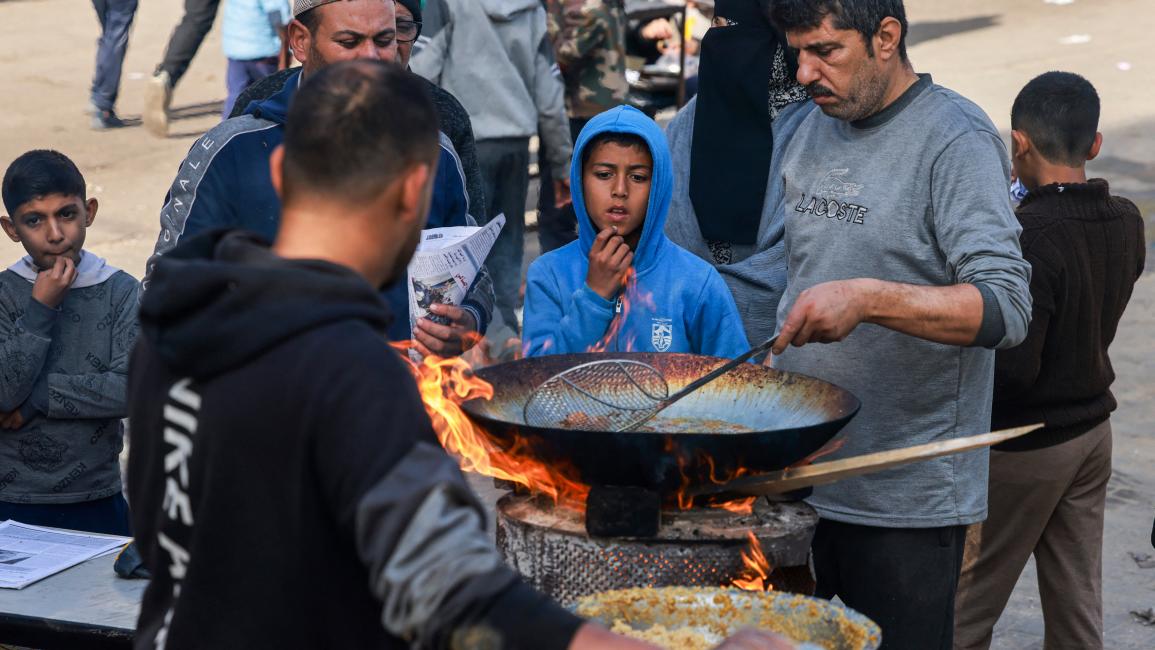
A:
(1047, 489)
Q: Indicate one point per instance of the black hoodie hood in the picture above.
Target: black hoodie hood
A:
(223, 298)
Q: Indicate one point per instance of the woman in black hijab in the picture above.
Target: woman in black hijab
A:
(728, 192)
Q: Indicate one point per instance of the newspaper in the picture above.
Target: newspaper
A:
(445, 265)
(31, 553)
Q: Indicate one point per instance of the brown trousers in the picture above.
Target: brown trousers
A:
(1047, 502)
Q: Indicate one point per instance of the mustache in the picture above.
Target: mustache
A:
(818, 90)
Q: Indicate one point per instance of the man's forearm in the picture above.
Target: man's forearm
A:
(950, 315)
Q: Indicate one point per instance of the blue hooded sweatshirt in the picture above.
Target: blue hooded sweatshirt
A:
(225, 183)
(677, 302)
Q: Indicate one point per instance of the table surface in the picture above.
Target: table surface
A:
(88, 594)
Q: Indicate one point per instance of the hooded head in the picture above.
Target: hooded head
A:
(627, 121)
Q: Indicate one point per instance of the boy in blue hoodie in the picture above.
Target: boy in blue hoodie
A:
(623, 285)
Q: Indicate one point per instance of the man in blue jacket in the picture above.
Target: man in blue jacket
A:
(623, 285)
(224, 181)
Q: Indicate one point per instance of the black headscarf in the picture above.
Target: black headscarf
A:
(744, 77)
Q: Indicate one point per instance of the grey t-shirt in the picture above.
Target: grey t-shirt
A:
(755, 274)
(68, 368)
(916, 194)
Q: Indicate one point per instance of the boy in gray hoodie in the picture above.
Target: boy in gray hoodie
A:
(67, 324)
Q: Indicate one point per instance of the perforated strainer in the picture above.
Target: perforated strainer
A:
(597, 396)
(612, 395)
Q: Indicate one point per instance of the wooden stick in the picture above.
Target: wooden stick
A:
(790, 479)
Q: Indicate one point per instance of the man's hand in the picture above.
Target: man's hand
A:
(52, 285)
(824, 313)
(11, 421)
(446, 340)
(659, 29)
(561, 193)
(610, 258)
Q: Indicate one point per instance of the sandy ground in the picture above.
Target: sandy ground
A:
(985, 49)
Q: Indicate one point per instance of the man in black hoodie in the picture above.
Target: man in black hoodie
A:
(288, 490)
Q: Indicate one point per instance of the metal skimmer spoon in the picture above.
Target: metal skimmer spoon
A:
(612, 395)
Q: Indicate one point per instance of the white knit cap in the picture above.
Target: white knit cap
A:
(301, 6)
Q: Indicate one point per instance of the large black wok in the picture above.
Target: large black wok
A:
(791, 416)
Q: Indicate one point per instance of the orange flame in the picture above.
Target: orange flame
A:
(756, 574)
(622, 306)
(738, 506)
(741, 506)
(444, 385)
(629, 295)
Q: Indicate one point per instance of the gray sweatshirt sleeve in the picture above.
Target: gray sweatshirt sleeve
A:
(977, 231)
(417, 528)
(440, 578)
(25, 337)
(549, 96)
(102, 394)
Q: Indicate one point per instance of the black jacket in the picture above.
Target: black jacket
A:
(451, 116)
(288, 490)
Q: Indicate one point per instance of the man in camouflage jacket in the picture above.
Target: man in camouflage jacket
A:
(589, 42)
(589, 39)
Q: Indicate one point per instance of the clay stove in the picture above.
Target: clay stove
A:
(550, 547)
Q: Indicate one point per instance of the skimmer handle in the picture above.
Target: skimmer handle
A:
(703, 380)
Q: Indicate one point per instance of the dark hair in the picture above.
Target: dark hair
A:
(39, 173)
(354, 126)
(1060, 113)
(621, 139)
(863, 16)
(310, 18)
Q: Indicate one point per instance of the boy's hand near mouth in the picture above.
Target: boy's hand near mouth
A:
(610, 258)
(52, 284)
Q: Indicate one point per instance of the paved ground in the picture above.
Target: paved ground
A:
(985, 49)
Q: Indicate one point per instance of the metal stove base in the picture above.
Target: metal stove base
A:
(550, 548)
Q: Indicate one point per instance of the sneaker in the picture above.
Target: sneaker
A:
(106, 120)
(157, 98)
(91, 109)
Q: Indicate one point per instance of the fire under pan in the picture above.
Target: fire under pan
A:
(550, 548)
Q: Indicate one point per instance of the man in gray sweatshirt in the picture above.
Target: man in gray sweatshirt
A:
(902, 255)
